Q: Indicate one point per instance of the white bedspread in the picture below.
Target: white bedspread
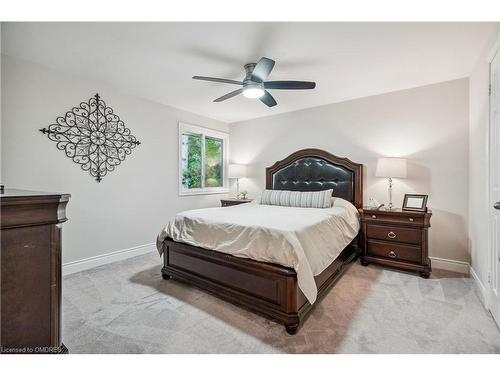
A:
(306, 239)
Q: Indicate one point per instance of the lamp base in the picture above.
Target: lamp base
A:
(390, 194)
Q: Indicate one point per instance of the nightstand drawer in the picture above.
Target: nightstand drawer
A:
(393, 233)
(394, 251)
(394, 218)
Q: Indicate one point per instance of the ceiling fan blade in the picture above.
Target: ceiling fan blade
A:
(268, 99)
(262, 69)
(230, 95)
(289, 85)
(221, 80)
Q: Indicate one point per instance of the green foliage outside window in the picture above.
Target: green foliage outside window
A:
(213, 162)
(192, 154)
(191, 175)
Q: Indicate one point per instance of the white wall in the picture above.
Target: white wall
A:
(478, 161)
(0, 102)
(428, 125)
(131, 205)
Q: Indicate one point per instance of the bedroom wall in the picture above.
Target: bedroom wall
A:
(478, 161)
(428, 125)
(132, 204)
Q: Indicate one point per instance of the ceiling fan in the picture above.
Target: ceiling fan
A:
(255, 84)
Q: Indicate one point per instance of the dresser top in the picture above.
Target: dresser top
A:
(19, 193)
(22, 208)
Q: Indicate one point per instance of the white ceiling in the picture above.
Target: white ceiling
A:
(157, 60)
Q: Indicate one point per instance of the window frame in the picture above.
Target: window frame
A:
(204, 132)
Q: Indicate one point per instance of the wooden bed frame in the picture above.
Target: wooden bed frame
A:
(265, 288)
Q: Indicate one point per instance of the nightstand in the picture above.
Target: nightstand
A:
(396, 238)
(233, 201)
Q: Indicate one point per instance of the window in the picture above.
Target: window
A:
(203, 160)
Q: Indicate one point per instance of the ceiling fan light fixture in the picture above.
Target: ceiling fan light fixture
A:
(255, 84)
(253, 92)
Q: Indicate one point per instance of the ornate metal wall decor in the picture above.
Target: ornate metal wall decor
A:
(93, 136)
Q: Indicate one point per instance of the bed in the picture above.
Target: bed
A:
(286, 289)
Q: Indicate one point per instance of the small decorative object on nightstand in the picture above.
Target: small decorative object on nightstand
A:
(233, 201)
(415, 202)
(396, 238)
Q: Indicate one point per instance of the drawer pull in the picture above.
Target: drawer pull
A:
(392, 254)
(391, 235)
(374, 216)
(410, 219)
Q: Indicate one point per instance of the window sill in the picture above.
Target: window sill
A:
(203, 192)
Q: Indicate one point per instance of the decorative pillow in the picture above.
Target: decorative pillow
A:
(306, 199)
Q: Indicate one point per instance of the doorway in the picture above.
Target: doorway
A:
(494, 196)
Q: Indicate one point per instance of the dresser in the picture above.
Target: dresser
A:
(233, 201)
(31, 271)
(396, 238)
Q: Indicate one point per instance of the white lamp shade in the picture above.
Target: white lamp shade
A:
(237, 170)
(391, 167)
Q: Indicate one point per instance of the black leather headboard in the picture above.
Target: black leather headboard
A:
(313, 170)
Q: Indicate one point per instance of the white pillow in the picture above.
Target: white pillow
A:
(305, 199)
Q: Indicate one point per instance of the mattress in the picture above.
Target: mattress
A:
(305, 239)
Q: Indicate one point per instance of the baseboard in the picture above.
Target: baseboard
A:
(99, 260)
(480, 287)
(450, 265)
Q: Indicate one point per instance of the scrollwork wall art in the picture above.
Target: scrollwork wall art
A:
(93, 137)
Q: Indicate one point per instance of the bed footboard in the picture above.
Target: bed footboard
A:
(265, 288)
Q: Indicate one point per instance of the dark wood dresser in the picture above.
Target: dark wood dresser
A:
(396, 238)
(233, 201)
(31, 271)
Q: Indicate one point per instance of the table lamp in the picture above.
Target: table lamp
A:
(391, 168)
(237, 171)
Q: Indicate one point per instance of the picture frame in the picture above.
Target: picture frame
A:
(415, 202)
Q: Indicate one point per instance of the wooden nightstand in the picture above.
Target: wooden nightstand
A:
(396, 238)
(233, 201)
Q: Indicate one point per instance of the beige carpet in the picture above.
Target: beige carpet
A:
(126, 307)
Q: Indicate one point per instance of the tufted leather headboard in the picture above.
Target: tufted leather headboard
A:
(313, 169)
